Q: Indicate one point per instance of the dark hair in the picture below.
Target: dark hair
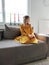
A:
(25, 17)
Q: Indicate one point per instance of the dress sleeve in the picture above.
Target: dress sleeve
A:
(31, 29)
(22, 30)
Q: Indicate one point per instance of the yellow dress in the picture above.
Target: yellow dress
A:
(25, 30)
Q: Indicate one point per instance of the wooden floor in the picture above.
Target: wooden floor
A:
(40, 62)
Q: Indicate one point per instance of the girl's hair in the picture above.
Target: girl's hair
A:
(25, 18)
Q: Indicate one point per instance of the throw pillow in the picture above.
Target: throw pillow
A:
(11, 32)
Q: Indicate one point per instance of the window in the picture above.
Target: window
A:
(1, 18)
(15, 10)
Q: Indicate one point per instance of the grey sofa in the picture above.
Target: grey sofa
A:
(15, 53)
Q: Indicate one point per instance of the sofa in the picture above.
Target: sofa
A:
(15, 53)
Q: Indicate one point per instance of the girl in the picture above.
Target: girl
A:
(27, 32)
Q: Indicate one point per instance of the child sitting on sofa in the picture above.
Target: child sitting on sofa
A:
(27, 32)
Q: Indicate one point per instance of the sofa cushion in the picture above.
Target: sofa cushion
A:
(11, 32)
(15, 53)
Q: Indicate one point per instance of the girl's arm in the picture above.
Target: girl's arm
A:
(31, 29)
(22, 31)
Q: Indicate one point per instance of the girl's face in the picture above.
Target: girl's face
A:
(27, 21)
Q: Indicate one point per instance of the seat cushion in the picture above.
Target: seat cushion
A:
(13, 43)
(14, 53)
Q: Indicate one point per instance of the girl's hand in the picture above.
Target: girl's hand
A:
(31, 36)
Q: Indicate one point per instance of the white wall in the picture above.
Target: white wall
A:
(38, 11)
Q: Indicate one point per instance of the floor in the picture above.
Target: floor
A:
(41, 62)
